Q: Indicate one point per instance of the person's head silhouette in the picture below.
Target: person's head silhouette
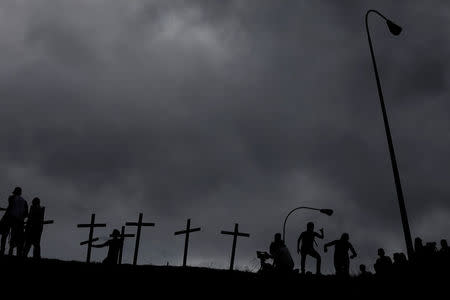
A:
(277, 237)
(310, 226)
(381, 252)
(115, 234)
(418, 243)
(36, 202)
(17, 191)
(345, 237)
(444, 244)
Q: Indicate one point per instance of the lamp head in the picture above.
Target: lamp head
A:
(328, 212)
(393, 28)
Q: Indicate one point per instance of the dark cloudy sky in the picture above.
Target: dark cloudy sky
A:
(224, 112)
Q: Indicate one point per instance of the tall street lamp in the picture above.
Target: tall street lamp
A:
(325, 211)
(395, 30)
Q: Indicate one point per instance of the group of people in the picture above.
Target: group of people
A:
(427, 259)
(282, 260)
(23, 226)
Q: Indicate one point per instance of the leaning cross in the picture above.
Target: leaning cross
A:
(139, 225)
(186, 240)
(235, 234)
(91, 227)
(44, 222)
(123, 235)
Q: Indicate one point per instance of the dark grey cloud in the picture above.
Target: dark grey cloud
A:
(224, 111)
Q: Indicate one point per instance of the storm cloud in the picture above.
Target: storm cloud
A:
(224, 112)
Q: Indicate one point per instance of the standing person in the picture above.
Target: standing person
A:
(307, 238)
(4, 232)
(341, 258)
(17, 211)
(383, 265)
(114, 246)
(33, 229)
(363, 273)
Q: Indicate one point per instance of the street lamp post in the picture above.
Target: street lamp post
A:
(325, 211)
(395, 30)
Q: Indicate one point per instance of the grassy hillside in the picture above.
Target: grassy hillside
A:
(69, 278)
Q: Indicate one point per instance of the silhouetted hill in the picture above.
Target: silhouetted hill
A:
(56, 278)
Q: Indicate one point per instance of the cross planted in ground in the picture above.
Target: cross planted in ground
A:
(91, 227)
(235, 234)
(123, 235)
(187, 232)
(139, 224)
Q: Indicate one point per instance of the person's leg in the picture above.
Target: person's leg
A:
(27, 247)
(3, 242)
(316, 255)
(346, 267)
(36, 250)
(13, 238)
(302, 261)
(337, 267)
(20, 238)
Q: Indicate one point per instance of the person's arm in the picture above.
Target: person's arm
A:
(353, 252)
(298, 242)
(325, 247)
(320, 236)
(25, 212)
(101, 245)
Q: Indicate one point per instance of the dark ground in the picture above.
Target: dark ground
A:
(62, 279)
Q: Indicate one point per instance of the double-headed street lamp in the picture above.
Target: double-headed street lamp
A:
(395, 30)
(325, 211)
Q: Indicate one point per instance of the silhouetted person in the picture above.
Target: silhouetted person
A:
(33, 229)
(444, 255)
(444, 247)
(5, 227)
(17, 211)
(383, 265)
(363, 273)
(400, 264)
(418, 250)
(341, 257)
(307, 238)
(114, 245)
(282, 260)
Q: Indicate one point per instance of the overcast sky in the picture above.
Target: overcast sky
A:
(224, 112)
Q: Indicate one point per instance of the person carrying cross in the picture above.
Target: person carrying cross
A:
(114, 244)
(341, 258)
(33, 229)
(15, 214)
(307, 238)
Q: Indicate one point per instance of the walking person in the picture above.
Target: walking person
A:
(16, 213)
(341, 257)
(33, 229)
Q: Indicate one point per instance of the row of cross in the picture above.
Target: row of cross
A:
(139, 224)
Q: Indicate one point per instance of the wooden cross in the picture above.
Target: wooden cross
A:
(91, 227)
(186, 240)
(139, 225)
(235, 234)
(123, 235)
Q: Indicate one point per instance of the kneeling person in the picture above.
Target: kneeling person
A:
(114, 244)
